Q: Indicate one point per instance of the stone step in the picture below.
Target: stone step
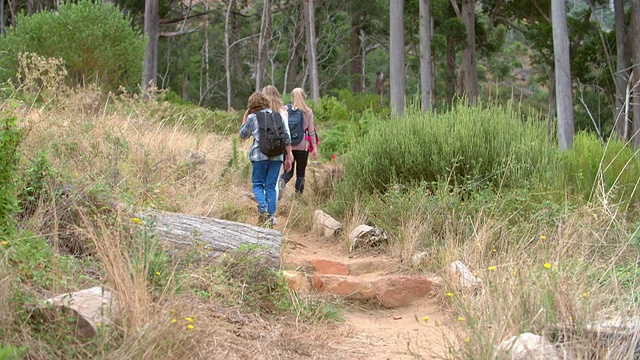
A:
(389, 291)
(355, 268)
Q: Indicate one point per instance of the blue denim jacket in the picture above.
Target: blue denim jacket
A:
(251, 128)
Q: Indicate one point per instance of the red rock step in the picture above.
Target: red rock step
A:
(361, 281)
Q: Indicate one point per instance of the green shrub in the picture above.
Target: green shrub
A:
(593, 170)
(10, 139)
(96, 42)
(359, 103)
(474, 147)
(329, 110)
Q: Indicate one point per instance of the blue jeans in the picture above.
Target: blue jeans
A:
(264, 176)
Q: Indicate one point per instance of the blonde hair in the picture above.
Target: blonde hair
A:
(297, 99)
(273, 97)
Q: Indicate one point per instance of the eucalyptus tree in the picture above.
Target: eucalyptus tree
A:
(312, 60)
(151, 31)
(426, 76)
(564, 90)
(635, 27)
(396, 46)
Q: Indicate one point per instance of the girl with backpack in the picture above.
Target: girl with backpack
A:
(307, 143)
(265, 167)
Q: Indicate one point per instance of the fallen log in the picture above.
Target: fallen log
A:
(183, 232)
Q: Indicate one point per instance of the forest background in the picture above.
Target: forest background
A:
(454, 149)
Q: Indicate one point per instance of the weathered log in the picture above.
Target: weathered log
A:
(91, 308)
(182, 232)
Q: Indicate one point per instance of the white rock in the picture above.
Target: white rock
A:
(328, 225)
(527, 346)
(363, 235)
(466, 279)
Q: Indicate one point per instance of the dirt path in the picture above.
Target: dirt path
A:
(375, 332)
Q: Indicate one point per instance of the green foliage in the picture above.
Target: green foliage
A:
(10, 139)
(601, 172)
(96, 42)
(8, 352)
(329, 110)
(472, 146)
(35, 184)
(196, 118)
(253, 274)
(148, 256)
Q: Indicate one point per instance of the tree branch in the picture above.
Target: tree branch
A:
(178, 33)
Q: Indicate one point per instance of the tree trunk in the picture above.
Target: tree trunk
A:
(451, 71)
(312, 59)
(295, 55)
(469, 56)
(207, 84)
(236, 60)
(263, 45)
(425, 54)
(564, 94)
(185, 88)
(355, 54)
(622, 73)
(396, 38)
(181, 233)
(151, 30)
(1, 17)
(227, 52)
(552, 102)
(635, 23)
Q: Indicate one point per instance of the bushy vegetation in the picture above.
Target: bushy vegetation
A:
(96, 42)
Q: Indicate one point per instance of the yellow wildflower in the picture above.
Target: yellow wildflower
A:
(158, 273)
(98, 325)
(460, 318)
(547, 266)
(584, 294)
(425, 319)
(174, 320)
(190, 326)
(467, 340)
(189, 319)
(543, 238)
(4, 243)
(450, 294)
(136, 220)
(492, 268)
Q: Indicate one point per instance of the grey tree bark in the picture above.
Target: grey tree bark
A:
(227, 51)
(151, 30)
(468, 66)
(564, 91)
(312, 58)
(635, 24)
(425, 54)
(396, 39)
(263, 44)
(295, 53)
(182, 232)
(355, 53)
(621, 76)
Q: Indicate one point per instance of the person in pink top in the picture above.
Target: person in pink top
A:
(303, 139)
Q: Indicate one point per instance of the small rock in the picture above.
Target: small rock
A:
(327, 225)
(365, 235)
(296, 281)
(528, 346)
(466, 279)
(416, 259)
(397, 317)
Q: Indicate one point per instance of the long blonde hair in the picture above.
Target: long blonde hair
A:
(273, 96)
(297, 99)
